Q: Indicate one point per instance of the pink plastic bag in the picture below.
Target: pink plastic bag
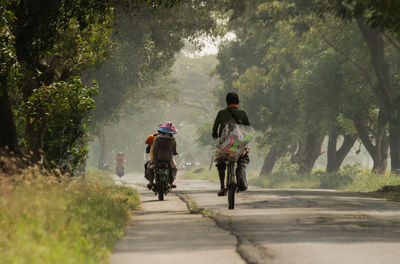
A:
(233, 141)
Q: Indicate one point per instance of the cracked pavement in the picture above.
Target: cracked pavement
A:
(267, 226)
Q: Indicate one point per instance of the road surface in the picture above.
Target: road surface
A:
(194, 225)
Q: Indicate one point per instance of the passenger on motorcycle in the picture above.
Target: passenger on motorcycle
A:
(149, 142)
(232, 114)
(164, 147)
(149, 149)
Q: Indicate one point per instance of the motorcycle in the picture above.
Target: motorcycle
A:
(120, 171)
(163, 174)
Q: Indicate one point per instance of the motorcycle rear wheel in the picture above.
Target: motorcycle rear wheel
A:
(161, 189)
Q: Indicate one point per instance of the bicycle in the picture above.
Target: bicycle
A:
(233, 180)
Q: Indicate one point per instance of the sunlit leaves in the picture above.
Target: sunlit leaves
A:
(64, 108)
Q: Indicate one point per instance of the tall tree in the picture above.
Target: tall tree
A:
(8, 68)
(377, 21)
(53, 41)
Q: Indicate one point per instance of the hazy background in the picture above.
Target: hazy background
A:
(194, 106)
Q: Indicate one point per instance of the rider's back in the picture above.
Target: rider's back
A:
(164, 147)
(224, 117)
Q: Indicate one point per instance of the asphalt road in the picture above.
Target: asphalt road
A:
(194, 225)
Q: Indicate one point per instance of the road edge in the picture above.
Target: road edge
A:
(249, 251)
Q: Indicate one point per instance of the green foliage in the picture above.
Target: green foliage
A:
(146, 46)
(188, 104)
(379, 14)
(60, 222)
(7, 55)
(350, 178)
(52, 42)
(366, 181)
(286, 176)
(285, 165)
(38, 24)
(96, 176)
(203, 135)
(341, 179)
(286, 180)
(64, 108)
(9, 66)
(300, 71)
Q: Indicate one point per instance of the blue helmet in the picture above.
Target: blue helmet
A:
(166, 130)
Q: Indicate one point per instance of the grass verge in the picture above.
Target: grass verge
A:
(286, 180)
(201, 173)
(47, 220)
(385, 186)
(365, 181)
(349, 178)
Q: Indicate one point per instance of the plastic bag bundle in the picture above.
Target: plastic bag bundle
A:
(233, 141)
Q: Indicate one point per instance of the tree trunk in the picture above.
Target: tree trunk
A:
(272, 157)
(336, 157)
(331, 165)
(378, 151)
(102, 150)
(394, 136)
(385, 91)
(8, 134)
(309, 153)
(376, 45)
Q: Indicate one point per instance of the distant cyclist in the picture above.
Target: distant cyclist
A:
(232, 114)
(120, 161)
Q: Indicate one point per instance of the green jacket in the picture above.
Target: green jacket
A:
(224, 117)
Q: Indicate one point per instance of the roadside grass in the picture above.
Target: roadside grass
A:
(286, 180)
(349, 178)
(201, 173)
(369, 182)
(47, 219)
(385, 186)
(96, 176)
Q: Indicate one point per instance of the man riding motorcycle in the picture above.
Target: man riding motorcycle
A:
(232, 114)
(164, 147)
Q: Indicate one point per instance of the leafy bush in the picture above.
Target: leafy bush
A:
(287, 180)
(339, 180)
(286, 176)
(365, 181)
(45, 220)
(286, 165)
(63, 108)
